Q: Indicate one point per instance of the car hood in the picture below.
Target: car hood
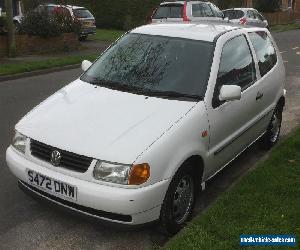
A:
(101, 123)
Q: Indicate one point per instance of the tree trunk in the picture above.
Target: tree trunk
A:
(11, 29)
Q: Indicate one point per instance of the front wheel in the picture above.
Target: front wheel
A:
(83, 38)
(179, 201)
(271, 136)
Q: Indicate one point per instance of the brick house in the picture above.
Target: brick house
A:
(291, 4)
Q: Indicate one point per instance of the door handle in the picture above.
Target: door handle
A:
(259, 96)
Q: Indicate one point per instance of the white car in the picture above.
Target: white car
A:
(156, 116)
(185, 11)
(246, 16)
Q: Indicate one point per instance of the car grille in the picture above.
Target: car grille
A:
(68, 160)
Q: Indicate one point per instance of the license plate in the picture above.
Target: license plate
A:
(51, 186)
(87, 24)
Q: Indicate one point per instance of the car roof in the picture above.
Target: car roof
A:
(242, 9)
(181, 2)
(74, 7)
(204, 31)
(49, 5)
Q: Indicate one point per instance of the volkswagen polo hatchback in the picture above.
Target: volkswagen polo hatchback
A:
(159, 113)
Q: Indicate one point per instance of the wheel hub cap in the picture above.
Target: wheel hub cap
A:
(183, 199)
(275, 128)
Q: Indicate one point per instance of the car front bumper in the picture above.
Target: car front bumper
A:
(121, 205)
(88, 31)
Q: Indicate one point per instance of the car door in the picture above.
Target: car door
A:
(233, 123)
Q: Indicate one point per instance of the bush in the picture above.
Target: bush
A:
(47, 25)
(65, 21)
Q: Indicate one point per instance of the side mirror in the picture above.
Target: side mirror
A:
(230, 93)
(85, 65)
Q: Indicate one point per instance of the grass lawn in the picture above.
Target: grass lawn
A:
(266, 201)
(15, 68)
(107, 35)
(285, 27)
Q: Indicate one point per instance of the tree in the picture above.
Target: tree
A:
(267, 5)
(10, 29)
(228, 3)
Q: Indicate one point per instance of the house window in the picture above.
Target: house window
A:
(290, 3)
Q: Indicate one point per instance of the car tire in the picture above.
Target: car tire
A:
(179, 201)
(271, 136)
(16, 26)
(82, 38)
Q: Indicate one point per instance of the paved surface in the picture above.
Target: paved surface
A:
(26, 223)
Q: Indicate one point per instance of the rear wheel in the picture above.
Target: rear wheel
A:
(271, 136)
(179, 201)
(83, 38)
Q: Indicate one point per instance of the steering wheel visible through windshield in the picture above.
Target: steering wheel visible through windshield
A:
(154, 66)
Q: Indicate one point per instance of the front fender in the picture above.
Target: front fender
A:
(183, 140)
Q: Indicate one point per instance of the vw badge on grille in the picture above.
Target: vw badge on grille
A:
(55, 158)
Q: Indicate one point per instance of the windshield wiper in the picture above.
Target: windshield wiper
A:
(119, 86)
(142, 91)
(172, 94)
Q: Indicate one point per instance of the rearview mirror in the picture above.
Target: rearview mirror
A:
(85, 65)
(230, 93)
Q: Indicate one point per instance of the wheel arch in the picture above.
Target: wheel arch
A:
(196, 162)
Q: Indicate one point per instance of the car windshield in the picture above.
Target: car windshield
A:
(154, 66)
(169, 11)
(82, 13)
(233, 14)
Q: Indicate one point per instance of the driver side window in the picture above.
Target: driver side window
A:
(236, 67)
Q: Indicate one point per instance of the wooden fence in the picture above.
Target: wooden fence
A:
(282, 17)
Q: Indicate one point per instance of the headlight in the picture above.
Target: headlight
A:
(122, 174)
(19, 142)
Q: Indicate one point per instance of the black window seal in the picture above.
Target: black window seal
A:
(275, 51)
(215, 100)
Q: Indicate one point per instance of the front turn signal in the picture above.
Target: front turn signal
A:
(139, 174)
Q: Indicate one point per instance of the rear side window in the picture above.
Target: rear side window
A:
(82, 13)
(250, 14)
(237, 65)
(216, 10)
(233, 14)
(265, 51)
(259, 16)
(201, 10)
(169, 11)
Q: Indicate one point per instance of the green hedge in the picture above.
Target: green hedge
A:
(119, 14)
